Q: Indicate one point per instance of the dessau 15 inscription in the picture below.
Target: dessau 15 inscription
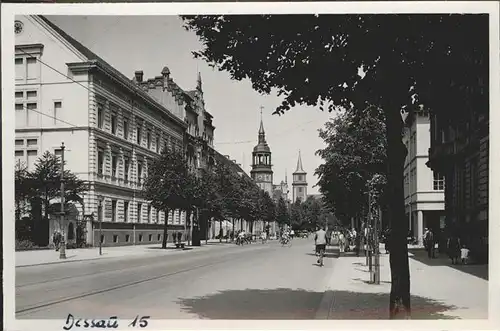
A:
(110, 323)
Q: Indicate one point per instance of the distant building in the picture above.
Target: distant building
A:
(299, 184)
(423, 188)
(281, 190)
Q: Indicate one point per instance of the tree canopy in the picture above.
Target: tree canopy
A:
(354, 62)
(356, 147)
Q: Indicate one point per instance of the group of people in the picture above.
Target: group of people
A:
(457, 251)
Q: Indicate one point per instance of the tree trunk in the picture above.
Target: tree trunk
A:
(220, 230)
(232, 237)
(400, 271)
(165, 231)
(190, 232)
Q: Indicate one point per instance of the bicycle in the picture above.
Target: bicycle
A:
(286, 241)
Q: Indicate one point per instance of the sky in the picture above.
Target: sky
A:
(149, 43)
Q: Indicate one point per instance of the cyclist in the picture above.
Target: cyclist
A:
(320, 242)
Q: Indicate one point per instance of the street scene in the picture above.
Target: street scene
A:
(202, 167)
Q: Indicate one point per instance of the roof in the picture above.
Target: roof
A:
(94, 57)
(299, 170)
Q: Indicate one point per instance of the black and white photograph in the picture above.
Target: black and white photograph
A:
(291, 164)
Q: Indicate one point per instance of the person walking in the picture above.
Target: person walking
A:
(320, 243)
(430, 243)
(341, 242)
(453, 247)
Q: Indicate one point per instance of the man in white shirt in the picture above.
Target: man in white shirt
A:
(292, 233)
(320, 242)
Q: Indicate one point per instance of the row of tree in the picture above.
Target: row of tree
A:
(355, 155)
(309, 214)
(214, 193)
(391, 62)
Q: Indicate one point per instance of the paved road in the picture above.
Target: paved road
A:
(250, 282)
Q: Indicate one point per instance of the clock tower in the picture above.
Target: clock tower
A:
(262, 172)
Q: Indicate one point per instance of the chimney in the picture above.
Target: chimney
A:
(138, 76)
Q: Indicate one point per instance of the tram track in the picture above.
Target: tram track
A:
(221, 259)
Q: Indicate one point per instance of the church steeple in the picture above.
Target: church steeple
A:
(299, 165)
(262, 133)
(198, 82)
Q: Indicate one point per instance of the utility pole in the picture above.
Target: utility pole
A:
(377, 248)
(62, 251)
(100, 225)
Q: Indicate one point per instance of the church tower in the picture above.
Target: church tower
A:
(262, 172)
(299, 184)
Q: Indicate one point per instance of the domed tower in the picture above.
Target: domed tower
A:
(262, 172)
(299, 183)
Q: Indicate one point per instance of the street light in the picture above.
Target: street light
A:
(100, 223)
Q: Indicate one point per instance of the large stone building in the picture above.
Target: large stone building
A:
(112, 127)
(460, 152)
(423, 188)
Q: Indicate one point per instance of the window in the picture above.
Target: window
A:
(149, 214)
(115, 238)
(438, 184)
(20, 69)
(31, 158)
(113, 122)
(150, 237)
(125, 211)
(159, 237)
(127, 238)
(148, 139)
(113, 210)
(157, 142)
(157, 216)
(140, 237)
(19, 142)
(20, 157)
(100, 162)
(139, 212)
(114, 164)
(126, 166)
(102, 238)
(139, 131)
(139, 171)
(300, 189)
(32, 142)
(57, 110)
(26, 108)
(100, 116)
(125, 128)
(31, 68)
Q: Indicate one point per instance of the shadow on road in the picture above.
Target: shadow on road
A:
(330, 253)
(284, 303)
(478, 270)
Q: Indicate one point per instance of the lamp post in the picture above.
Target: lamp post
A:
(100, 223)
(62, 251)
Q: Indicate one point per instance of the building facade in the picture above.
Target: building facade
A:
(111, 126)
(423, 188)
(460, 152)
(299, 184)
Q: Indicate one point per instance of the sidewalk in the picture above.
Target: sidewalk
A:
(50, 256)
(437, 291)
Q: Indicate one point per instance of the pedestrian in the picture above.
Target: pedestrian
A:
(55, 240)
(341, 242)
(464, 254)
(430, 243)
(453, 248)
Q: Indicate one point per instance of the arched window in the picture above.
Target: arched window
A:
(71, 231)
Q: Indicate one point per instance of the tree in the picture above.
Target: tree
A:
(22, 189)
(282, 214)
(165, 185)
(313, 212)
(401, 58)
(355, 150)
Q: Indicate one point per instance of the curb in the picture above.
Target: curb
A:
(104, 257)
